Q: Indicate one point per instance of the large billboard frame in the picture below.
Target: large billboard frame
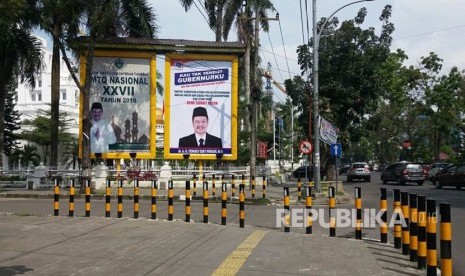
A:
(230, 150)
(149, 153)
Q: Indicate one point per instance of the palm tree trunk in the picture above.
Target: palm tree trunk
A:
(86, 122)
(55, 100)
(2, 123)
(219, 21)
(247, 83)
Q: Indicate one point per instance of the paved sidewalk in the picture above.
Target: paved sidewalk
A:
(33, 245)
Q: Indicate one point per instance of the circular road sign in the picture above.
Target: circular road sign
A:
(305, 147)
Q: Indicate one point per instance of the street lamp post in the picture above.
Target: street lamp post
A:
(316, 123)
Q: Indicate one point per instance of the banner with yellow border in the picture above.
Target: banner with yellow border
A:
(204, 85)
(122, 104)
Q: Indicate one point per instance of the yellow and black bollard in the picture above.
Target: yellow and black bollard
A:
(170, 200)
(431, 224)
(405, 226)
(287, 219)
(421, 232)
(153, 195)
(332, 213)
(253, 186)
(445, 226)
(136, 198)
(299, 190)
(188, 201)
(241, 205)
(56, 197)
(107, 198)
(120, 199)
(194, 185)
(383, 209)
(413, 228)
(205, 202)
(397, 226)
(224, 199)
(213, 186)
(233, 186)
(264, 187)
(358, 207)
(87, 205)
(308, 208)
(71, 199)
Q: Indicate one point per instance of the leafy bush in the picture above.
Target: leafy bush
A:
(12, 178)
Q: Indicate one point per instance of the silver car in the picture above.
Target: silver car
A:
(359, 170)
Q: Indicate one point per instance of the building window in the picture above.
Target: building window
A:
(63, 94)
(39, 82)
(36, 96)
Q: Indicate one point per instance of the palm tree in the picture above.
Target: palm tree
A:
(20, 52)
(56, 17)
(110, 18)
(103, 19)
(222, 14)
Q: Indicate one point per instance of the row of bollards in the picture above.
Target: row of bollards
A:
(416, 237)
(414, 227)
(154, 187)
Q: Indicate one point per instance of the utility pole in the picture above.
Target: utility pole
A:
(255, 91)
(256, 94)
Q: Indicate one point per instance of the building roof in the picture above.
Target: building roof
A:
(161, 46)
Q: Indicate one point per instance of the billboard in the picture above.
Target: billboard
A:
(328, 132)
(122, 104)
(201, 106)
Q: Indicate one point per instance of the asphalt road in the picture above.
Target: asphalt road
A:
(371, 193)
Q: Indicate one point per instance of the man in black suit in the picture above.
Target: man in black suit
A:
(200, 138)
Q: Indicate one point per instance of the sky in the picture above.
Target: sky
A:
(421, 27)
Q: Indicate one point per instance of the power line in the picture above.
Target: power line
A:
(274, 55)
(284, 49)
(429, 33)
(200, 11)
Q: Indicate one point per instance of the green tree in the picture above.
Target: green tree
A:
(11, 124)
(28, 156)
(38, 131)
(20, 54)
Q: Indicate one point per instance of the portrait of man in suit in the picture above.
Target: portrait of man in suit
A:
(200, 137)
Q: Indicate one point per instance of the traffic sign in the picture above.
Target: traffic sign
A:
(305, 147)
(336, 150)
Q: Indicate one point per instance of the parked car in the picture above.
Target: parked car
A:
(300, 172)
(359, 170)
(452, 175)
(403, 172)
(434, 169)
